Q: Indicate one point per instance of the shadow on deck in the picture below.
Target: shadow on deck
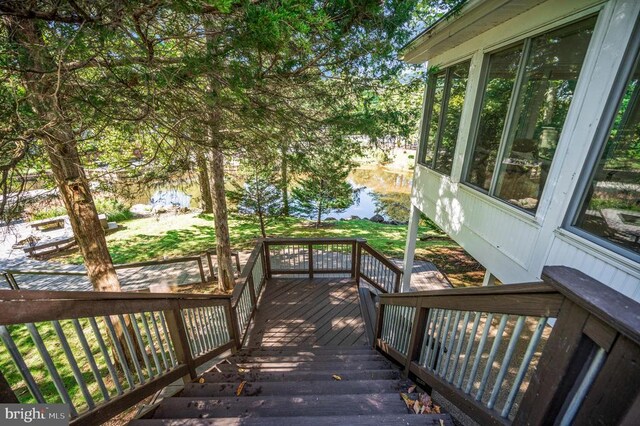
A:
(308, 312)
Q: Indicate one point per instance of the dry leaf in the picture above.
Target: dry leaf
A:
(201, 380)
(416, 407)
(242, 370)
(411, 389)
(425, 399)
(240, 387)
(436, 409)
(336, 377)
(441, 422)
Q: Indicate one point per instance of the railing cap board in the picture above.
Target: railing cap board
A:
(373, 252)
(289, 240)
(27, 295)
(526, 288)
(614, 308)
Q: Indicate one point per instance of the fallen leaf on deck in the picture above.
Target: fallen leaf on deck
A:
(242, 370)
(441, 422)
(240, 387)
(411, 389)
(201, 380)
(336, 377)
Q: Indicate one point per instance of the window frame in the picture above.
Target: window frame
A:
(526, 43)
(598, 145)
(428, 111)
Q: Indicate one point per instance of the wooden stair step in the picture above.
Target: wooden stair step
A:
(305, 358)
(355, 420)
(281, 406)
(325, 387)
(305, 350)
(298, 366)
(297, 376)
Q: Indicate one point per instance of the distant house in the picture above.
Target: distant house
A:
(530, 140)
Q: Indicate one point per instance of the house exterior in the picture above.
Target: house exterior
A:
(530, 139)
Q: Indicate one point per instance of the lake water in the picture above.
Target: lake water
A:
(380, 192)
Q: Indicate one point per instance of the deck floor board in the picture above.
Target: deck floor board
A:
(308, 312)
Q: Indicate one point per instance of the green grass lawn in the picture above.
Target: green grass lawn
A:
(173, 235)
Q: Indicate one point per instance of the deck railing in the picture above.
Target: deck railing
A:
(491, 352)
(101, 353)
(11, 274)
(349, 256)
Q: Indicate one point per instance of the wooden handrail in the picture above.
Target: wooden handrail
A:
(593, 346)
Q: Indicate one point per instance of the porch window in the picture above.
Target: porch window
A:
(611, 205)
(528, 91)
(444, 108)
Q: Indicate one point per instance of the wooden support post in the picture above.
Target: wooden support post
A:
(377, 332)
(396, 286)
(7, 396)
(232, 326)
(358, 261)
(237, 257)
(210, 262)
(354, 249)
(203, 278)
(310, 248)
(417, 336)
(180, 341)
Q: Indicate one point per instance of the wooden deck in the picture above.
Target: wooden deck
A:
(308, 312)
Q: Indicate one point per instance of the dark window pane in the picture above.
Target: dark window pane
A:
(434, 117)
(457, 86)
(552, 70)
(501, 76)
(612, 206)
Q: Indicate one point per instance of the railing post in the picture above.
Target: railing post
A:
(203, 278)
(210, 262)
(7, 396)
(180, 341)
(398, 282)
(310, 248)
(417, 336)
(354, 248)
(234, 326)
(377, 332)
(267, 260)
(358, 261)
(237, 256)
(264, 263)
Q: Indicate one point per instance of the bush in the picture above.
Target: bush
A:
(115, 210)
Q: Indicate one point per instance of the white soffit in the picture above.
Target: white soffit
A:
(474, 18)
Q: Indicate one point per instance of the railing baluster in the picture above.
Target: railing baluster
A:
(467, 353)
(132, 351)
(156, 333)
(425, 340)
(492, 356)
(89, 355)
(22, 367)
(152, 347)
(476, 361)
(202, 329)
(443, 342)
(143, 350)
(434, 353)
(431, 337)
(75, 370)
(167, 337)
(524, 366)
(506, 360)
(454, 332)
(456, 357)
(119, 350)
(51, 367)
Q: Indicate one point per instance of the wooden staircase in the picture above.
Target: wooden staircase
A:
(295, 385)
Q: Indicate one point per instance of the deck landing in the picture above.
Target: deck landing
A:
(308, 312)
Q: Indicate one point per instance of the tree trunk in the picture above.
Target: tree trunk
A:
(284, 180)
(206, 202)
(221, 221)
(62, 149)
(262, 228)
